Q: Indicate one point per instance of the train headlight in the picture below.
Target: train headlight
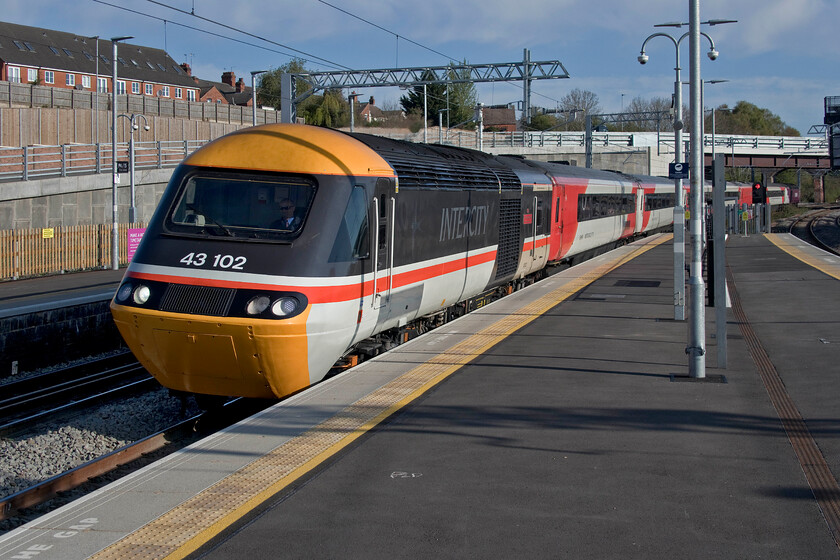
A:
(124, 292)
(257, 305)
(142, 294)
(284, 306)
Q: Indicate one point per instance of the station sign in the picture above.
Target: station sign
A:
(678, 171)
(122, 167)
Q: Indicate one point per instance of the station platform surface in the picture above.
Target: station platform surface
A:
(554, 423)
(32, 295)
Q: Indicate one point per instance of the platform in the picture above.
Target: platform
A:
(31, 295)
(547, 424)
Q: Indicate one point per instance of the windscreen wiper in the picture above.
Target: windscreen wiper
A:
(214, 221)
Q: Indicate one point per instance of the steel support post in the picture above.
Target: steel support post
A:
(719, 244)
(697, 327)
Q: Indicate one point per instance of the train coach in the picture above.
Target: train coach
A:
(277, 249)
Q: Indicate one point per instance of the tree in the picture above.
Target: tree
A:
(268, 90)
(329, 109)
(463, 96)
(434, 98)
(662, 105)
(543, 121)
(580, 103)
(746, 118)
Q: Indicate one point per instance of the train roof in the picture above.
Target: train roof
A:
(436, 165)
(291, 148)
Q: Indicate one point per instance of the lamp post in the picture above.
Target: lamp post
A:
(254, 74)
(115, 234)
(696, 348)
(679, 210)
(132, 126)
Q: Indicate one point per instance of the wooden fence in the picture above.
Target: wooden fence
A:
(38, 252)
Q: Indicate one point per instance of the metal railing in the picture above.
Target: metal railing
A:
(38, 162)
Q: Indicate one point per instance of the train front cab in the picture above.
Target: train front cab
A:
(245, 345)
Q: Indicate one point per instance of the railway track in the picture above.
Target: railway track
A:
(826, 229)
(820, 228)
(34, 398)
(126, 458)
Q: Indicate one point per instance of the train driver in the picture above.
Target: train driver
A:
(288, 221)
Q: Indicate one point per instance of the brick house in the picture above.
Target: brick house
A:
(65, 60)
(229, 91)
(501, 118)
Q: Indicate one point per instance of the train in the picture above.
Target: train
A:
(277, 251)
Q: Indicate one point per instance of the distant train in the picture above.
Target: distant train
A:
(277, 249)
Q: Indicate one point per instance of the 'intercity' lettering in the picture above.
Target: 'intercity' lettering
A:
(461, 221)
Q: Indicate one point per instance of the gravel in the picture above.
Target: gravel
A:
(57, 446)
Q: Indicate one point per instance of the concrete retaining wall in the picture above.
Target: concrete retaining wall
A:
(78, 200)
(47, 338)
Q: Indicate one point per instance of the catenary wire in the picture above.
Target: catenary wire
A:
(199, 30)
(226, 26)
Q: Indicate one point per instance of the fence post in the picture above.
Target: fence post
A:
(186, 149)
(64, 160)
(98, 158)
(26, 163)
(159, 155)
(16, 266)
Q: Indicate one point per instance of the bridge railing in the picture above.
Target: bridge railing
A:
(740, 143)
(37, 162)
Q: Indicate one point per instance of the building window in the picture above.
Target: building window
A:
(86, 82)
(14, 74)
(150, 89)
(49, 77)
(135, 88)
(177, 93)
(120, 87)
(190, 95)
(164, 91)
(70, 80)
(102, 85)
(31, 75)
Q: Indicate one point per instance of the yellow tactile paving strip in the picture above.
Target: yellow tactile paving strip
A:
(790, 245)
(185, 528)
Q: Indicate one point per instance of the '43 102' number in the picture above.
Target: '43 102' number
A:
(218, 261)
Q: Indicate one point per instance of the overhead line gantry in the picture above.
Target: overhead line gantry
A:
(524, 71)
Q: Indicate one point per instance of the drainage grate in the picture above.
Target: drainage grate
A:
(638, 283)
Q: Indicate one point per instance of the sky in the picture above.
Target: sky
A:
(781, 55)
